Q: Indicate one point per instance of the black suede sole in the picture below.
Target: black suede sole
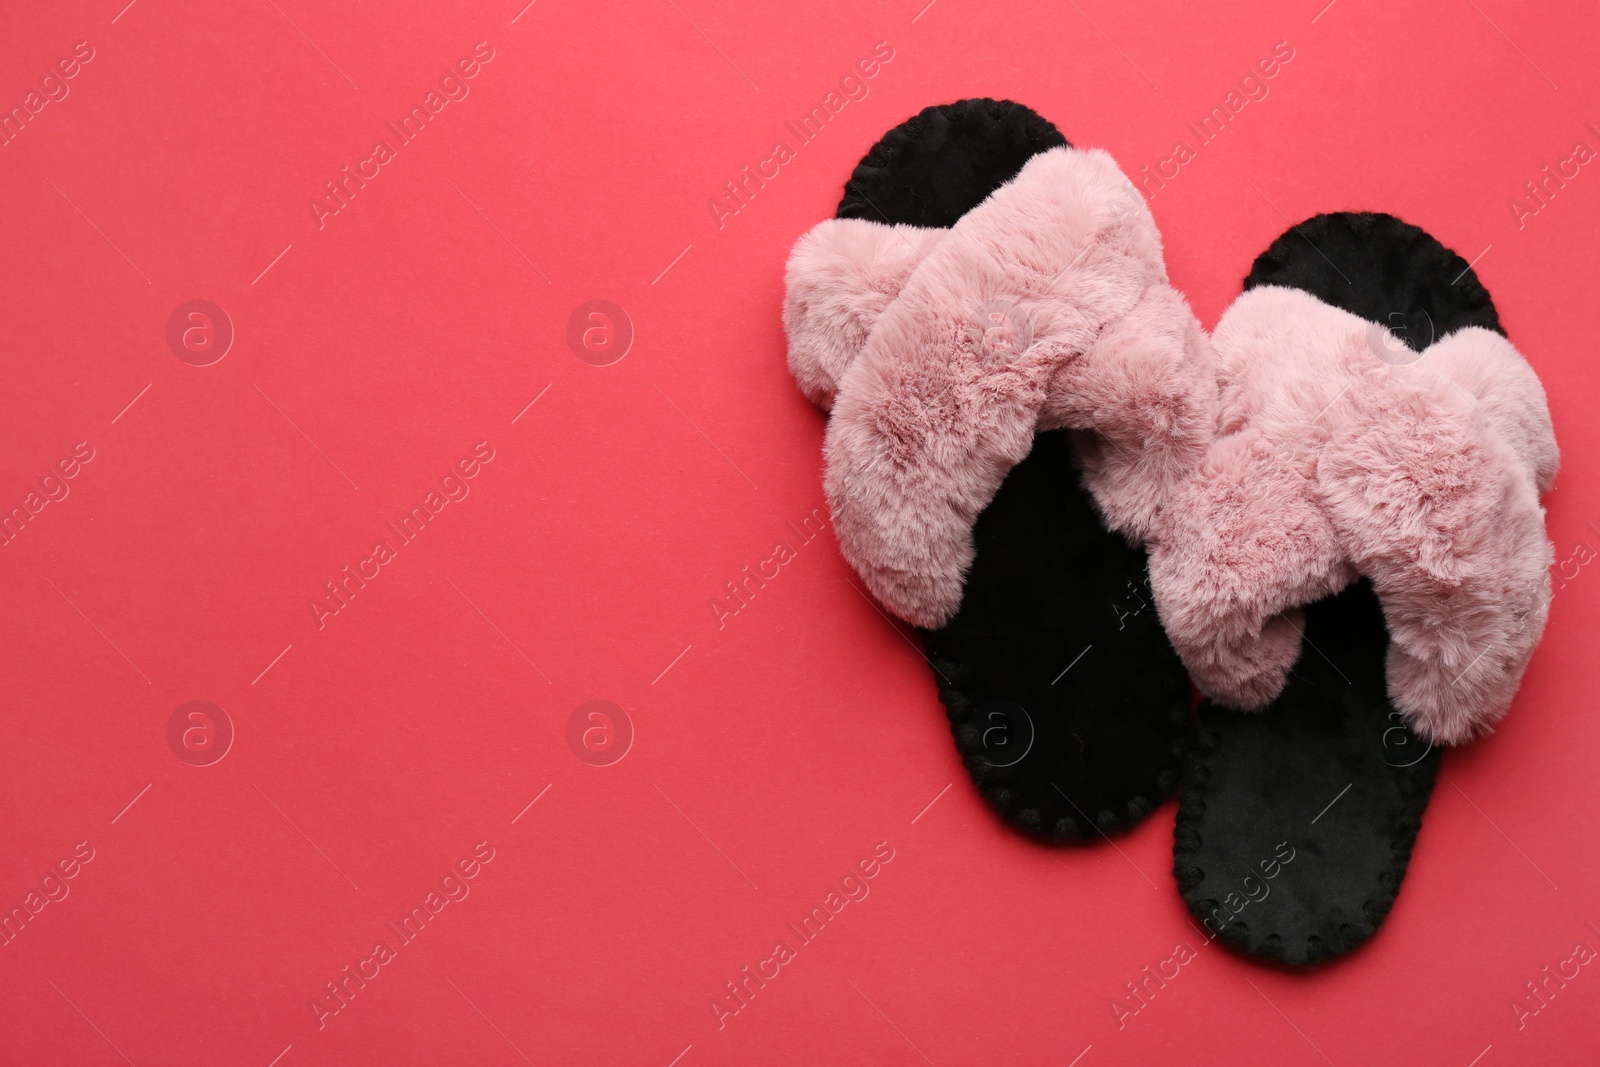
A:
(944, 161)
(1382, 269)
(1295, 825)
(1057, 661)
(1067, 702)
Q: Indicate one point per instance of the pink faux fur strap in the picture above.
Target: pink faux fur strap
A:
(941, 354)
(1337, 459)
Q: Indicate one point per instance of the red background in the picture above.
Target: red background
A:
(775, 751)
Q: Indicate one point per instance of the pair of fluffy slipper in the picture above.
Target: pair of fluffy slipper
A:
(1325, 512)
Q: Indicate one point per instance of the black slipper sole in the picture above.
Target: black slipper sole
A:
(1296, 824)
(1068, 704)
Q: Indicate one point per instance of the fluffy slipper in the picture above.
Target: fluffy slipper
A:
(1014, 390)
(1381, 453)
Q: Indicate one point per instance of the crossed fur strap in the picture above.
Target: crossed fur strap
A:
(1340, 452)
(942, 352)
(1267, 466)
